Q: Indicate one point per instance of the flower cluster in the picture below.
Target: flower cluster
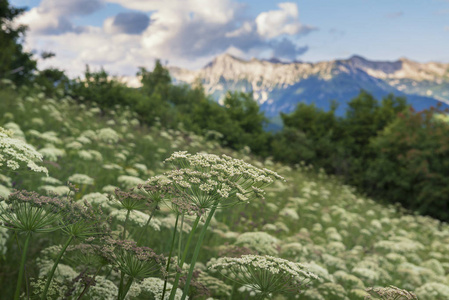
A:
(131, 200)
(107, 135)
(207, 178)
(83, 220)
(266, 274)
(16, 152)
(259, 241)
(215, 286)
(154, 286)
(30, 212)
(136, 262)
(81, 179)
(390, 292)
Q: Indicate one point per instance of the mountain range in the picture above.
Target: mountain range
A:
(278, 86)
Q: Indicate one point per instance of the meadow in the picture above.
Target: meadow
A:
(320, 238)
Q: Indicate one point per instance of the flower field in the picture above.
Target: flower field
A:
(221, 225)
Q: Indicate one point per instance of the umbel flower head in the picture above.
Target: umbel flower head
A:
(83, 221)
(15, 153)
(136, 262)
(207, 178)
(157, 188)
(265, 274)
(132, 200)
(390, 292)
(29, 212)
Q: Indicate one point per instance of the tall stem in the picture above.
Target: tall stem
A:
(170, 255)
(120, 287)
(232, 291)
(197, 250)
(55, 265)
(144, 229)
(180, 239)
(125, 291)
(124, 225)
(183, 258)
(22, 267)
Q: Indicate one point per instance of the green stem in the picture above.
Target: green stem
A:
(180, 239)
(55, 265)
(125, 291)
(120, 287)
(22, 267)
(197, 250)
(232, 291)
(183, 258)
(144, 229)
(124, 225)
(169, 256)
(25, 269)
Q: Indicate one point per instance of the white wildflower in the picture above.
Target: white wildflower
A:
(75, 145)
(4, 191)
(61, 190)
(267, 274)
(51, 180)
(51, 153)
(81, 179)
(129, 181)
(289, 213)
(98, 199)
(259, 241)
(155, 287)
(432, 290)
(107, 135)
(109, 189)
(15, 152)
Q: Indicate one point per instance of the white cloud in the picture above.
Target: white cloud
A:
(213, 11)
(284, 21)
(187, 33)
(54, 16)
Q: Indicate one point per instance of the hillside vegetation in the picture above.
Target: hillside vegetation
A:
(112, 192)
(350, 242)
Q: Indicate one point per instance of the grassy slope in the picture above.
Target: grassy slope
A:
(349, 241)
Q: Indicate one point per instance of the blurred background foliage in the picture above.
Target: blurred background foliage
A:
(380, 146)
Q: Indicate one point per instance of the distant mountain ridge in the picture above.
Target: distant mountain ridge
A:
(278, 86)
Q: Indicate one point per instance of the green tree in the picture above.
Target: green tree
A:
(310, 135)
(15, 64)
(412, 163)
(156, 86)
(100, 88)
(365, 118)
(244, 112)
(52, 79)
(157, 81)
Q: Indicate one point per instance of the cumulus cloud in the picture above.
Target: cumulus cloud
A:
(53, 17)
(188, 33)
(213, 11)
(127, 22)
(202, 29)
(285, 20)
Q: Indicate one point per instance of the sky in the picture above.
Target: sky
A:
(122, 35)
